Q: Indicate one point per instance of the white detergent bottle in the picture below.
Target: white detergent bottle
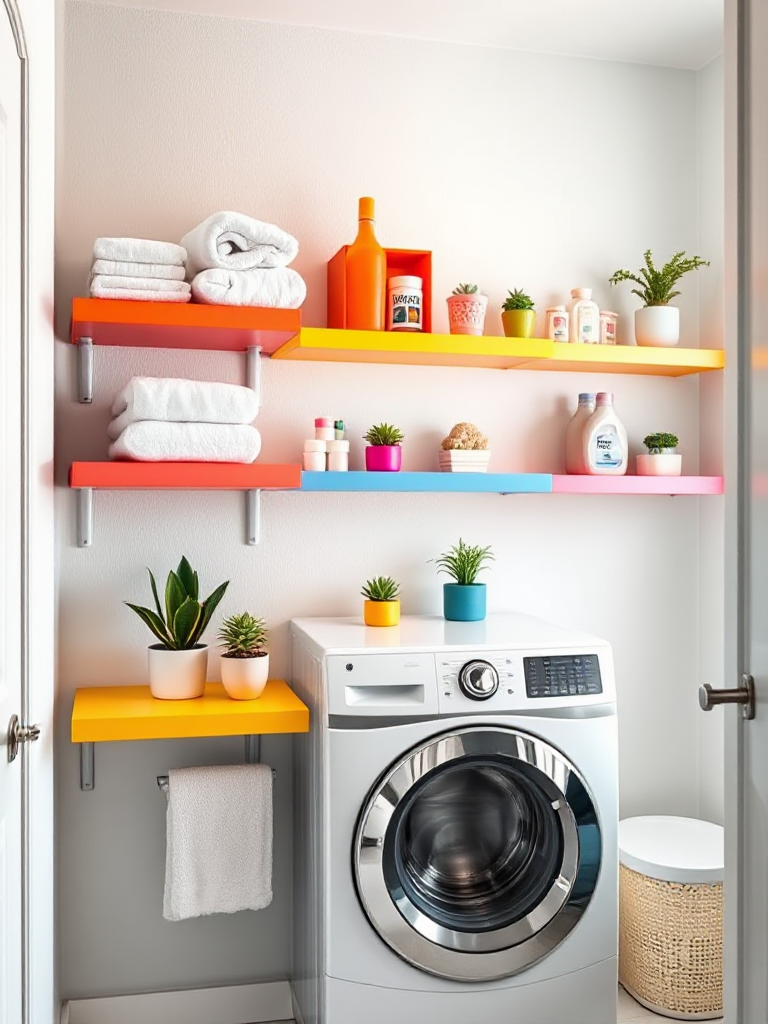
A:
(605, 450)
(574, 446)
(584, 317)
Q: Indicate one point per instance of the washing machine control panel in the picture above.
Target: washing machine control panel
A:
(478, 680)
(562, 675)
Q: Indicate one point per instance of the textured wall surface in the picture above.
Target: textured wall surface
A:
(517, 170)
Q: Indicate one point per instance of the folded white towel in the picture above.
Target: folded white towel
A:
(123, 268)
(139, 250)
(102, 291)
(155, 441)
(235, 241)
(281, 288)
(139, 284)
(181, 401)
(218, 856)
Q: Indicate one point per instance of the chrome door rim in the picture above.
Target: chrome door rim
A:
(412, 934)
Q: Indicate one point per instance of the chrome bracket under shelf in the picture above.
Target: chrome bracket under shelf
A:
(253, 370)
(85, 370)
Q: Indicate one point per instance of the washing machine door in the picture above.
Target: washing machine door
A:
(477, 853)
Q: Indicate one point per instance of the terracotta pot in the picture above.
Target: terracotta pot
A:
(381, 613)
(466, 313)
(665, 463)
(383, 458)
(244, 678)
(657, 326)
(518, 323)
(177, 675)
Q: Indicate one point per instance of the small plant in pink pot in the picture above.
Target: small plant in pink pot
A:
(383, 454)
(466, 310)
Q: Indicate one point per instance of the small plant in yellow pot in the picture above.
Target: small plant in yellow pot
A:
(245, 662)
(518, 315)
(381, 606)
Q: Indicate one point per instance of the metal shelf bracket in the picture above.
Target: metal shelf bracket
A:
(84, 370)
(84, 517)
(253, 370)
(87, 778)
(253, 517)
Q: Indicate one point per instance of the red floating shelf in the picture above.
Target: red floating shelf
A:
(182, 325)
(222, 476)
(637, 485)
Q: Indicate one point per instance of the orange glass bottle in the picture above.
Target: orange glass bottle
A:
(366, 275)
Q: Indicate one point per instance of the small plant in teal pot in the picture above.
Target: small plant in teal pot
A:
(383, 453)
(464, 600)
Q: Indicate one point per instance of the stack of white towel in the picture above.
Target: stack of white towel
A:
(235, 260)
(159, 419)
(140, 269)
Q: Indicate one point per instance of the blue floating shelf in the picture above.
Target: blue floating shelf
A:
(451, 483)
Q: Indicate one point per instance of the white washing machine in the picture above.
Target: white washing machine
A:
(456, 819)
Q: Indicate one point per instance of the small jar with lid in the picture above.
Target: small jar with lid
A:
(404, 303)
(608, 323)
(557, 323)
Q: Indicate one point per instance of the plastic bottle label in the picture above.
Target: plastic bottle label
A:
(606, 449)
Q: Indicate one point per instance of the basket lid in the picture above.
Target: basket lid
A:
(672, 849)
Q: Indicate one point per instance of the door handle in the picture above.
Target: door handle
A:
(743, 695)
(18, 734)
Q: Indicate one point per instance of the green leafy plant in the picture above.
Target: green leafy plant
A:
(180, 625)
(517, 299)
(383, 433)
(465, 289)
(657, 442)
(381, 588)
(463, 562)
(244, 636)
(656, 285)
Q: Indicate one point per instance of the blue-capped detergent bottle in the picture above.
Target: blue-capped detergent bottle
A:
(605, 447)
(574, 434)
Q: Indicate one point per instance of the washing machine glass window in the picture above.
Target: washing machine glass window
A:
(477, 853)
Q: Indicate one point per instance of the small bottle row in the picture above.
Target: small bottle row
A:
(327, 450)
(582, 321)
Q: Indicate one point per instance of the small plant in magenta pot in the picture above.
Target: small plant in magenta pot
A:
(178, 664)
(382, 605)
(661, 458)
(465, 450)
(466, 310)
(383, 453)
(245, 661)
(464, 600)
(518, 315)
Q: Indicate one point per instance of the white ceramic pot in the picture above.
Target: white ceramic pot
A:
(657, 326)
(660, 464)
(456, 461)
(466, 313)
(244, 678)
(177, 675)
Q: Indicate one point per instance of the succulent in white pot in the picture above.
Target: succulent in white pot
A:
(661, 458)
(466, 310)
(178, 664)
(245, 661)
(464, 450)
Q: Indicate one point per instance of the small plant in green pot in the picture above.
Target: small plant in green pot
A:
(383, 453)
(661, 458)
(466, 310)
(245, 661)
(382, 605)
(657, 324)
(518, 315)
(464, 600)
(178, 664)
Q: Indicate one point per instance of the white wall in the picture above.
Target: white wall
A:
(516, 170)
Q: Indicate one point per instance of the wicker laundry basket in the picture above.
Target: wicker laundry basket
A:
(671, 915)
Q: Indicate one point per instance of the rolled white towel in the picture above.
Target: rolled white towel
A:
(281, 288)
(234, 241)
(176, 400)
(153, 441)
(139, 250)
(143, 289)
(123, 268)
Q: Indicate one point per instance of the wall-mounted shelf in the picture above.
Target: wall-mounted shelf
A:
(657, 362)
(451, 483)
(113, 713)
(670, 485)
(85, 477)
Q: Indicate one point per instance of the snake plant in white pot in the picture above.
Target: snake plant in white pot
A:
(245, 662)
(178, 664)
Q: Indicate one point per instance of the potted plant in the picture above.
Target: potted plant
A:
(657, 323)
(383, 453)
(178, 663)
(464, 450)
(518, 316)
(662, 459)
(381, 606)
(466, 310)
(245, 662)
(464, 600)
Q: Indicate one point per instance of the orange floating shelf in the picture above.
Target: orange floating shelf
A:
(222, 476)
(182, 325)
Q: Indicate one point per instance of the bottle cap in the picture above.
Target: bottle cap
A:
(313, 445)
(608, 312)
(555, 309)
(324, 421)
(581, 293)
(338, 424)
(404, 282)
(586, 396)
(604, 398)
(365, 208)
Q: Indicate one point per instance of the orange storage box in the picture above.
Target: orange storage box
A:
(400, 262)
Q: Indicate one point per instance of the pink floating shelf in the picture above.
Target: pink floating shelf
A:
(670, 485)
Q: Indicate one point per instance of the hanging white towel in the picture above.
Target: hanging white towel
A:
(139, 250)
(181, 401)
(123, 268)
(219, 840)
(235, 241)
(153, 441)
(278, 288)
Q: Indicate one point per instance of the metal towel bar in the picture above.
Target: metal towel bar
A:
(162, 781)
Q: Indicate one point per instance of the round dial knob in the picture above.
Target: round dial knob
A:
(478, 680)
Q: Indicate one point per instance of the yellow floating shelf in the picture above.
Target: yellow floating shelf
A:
(107, 713)
(342, 346)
